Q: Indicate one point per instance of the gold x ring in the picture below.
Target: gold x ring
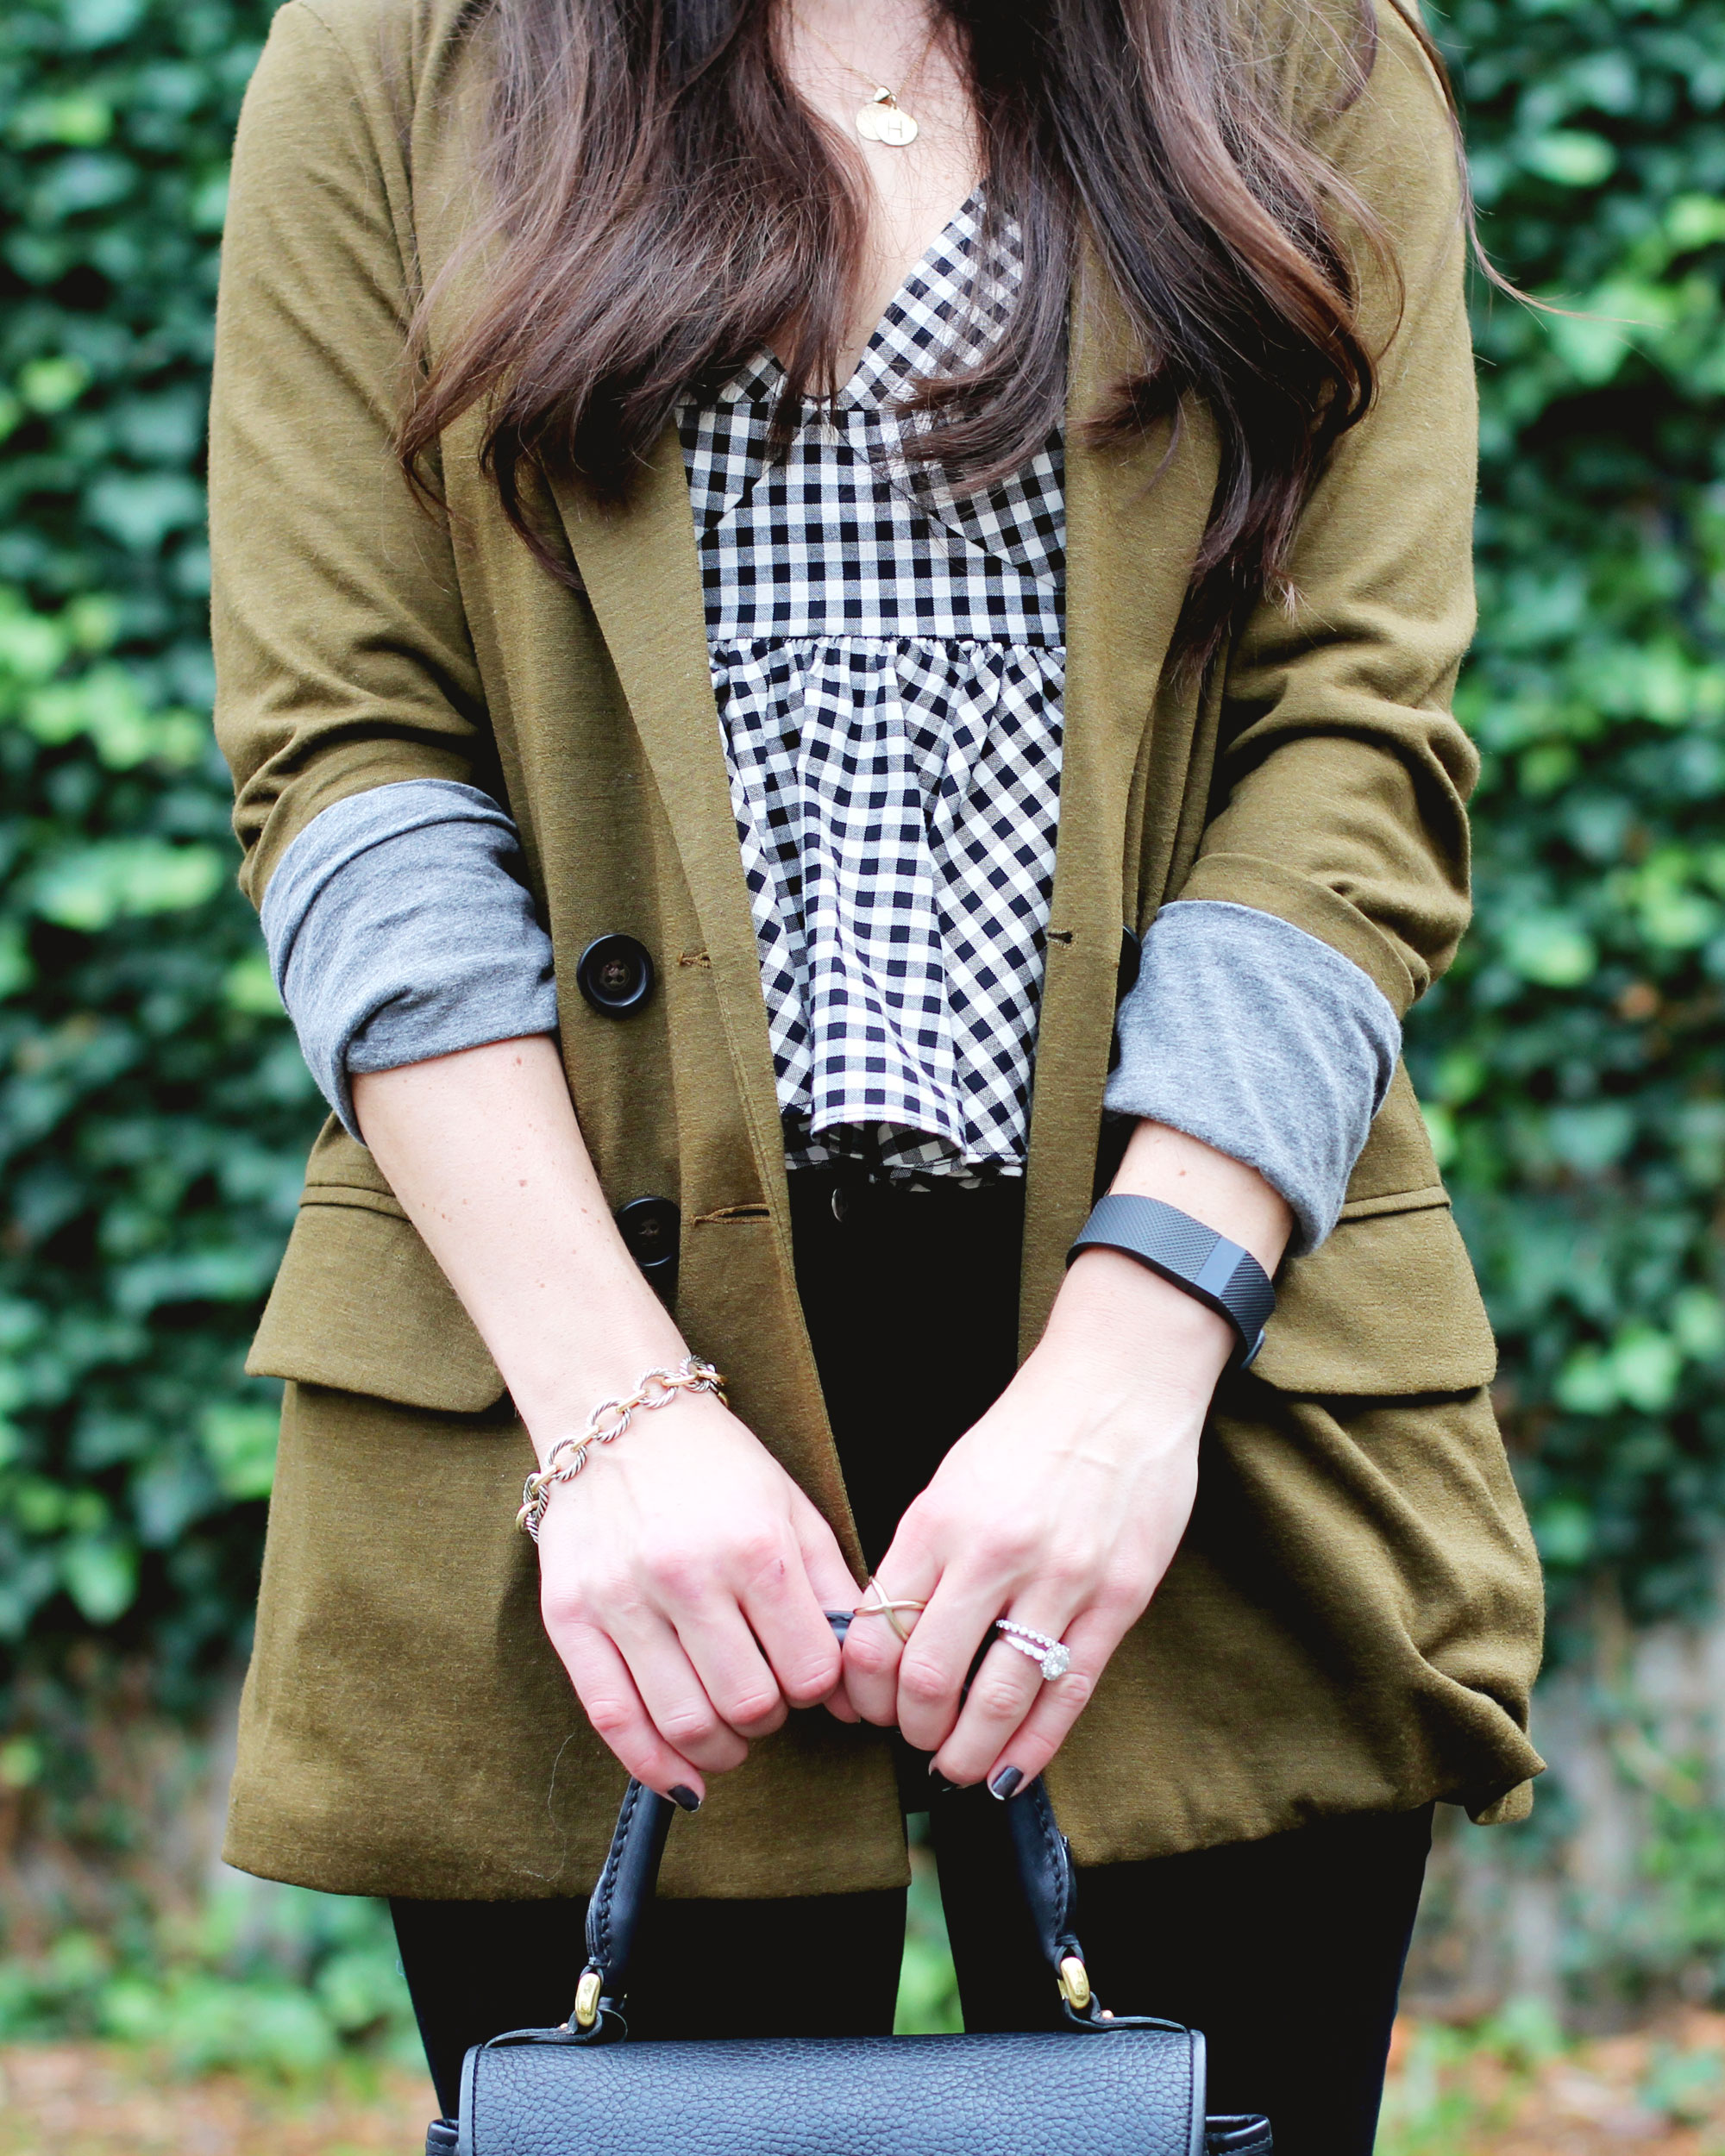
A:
(881, 1607)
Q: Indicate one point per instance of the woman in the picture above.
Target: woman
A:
(667, 610)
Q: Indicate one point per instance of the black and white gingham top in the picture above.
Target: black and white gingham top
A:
(889, 659)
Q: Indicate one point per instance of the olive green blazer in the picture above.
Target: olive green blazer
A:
(1354, 1621)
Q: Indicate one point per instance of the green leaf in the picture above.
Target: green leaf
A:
(81, 120)
(1593, 347)
(140, 509)
(1563, 1532)
(32, 646)
(106, 707)
(1695, 221)
(91, 23)
(1570, 156)
(1461, 1073)
(1590, 1139)
(1698, 1322)
(1552, 948)
(249, 986)
(1647, 1364)
(51, 384)
(20, 1763)
(100, 1573)
(239, 1441)
(16, 972)
(1587, 1384)
(209, 208)
(89, 887)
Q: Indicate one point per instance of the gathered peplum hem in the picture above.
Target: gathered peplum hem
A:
(897, 800)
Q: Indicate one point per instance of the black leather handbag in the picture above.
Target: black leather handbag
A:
(1105, 2084)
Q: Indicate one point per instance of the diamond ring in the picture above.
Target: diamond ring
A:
(1052, 1657)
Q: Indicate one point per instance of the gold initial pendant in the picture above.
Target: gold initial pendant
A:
(883, 119)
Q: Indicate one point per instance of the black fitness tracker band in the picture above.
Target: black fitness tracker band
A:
(1217, 1273)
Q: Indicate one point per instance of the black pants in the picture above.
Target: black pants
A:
(1287, 1953)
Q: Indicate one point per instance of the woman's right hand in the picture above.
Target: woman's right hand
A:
(683, 1581)
(683, 1574)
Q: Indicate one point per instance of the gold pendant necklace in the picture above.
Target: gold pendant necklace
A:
(883, 119)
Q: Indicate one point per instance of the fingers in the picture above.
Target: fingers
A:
(728, 1662)
(871, 1664)
(984, 1750)
(839, 1704)
(785, 1600)
(616, 1709)
(700, 1659)
(791, 1626)
(1011, 1717)
(874, 1652)
(934, 1667)
(875, 1646)
(833, 1587)
(1001, 1695)
(830, 1578)
(673, 1695)
(722, 1658)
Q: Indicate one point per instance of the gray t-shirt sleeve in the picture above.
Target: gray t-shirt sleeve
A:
(398, 930)
(1248, 1033)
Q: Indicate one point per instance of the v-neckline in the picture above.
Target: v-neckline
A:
(771, 367)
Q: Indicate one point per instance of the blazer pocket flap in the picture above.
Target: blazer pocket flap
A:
(1388, 1304)
(361, 1305)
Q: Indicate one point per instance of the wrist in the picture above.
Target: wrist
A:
(651, 1393)
(561, 1399)
(1114, 1314)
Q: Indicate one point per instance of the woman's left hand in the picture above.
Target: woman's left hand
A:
(1061, 1509)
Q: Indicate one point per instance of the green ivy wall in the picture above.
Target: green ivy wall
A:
(153, 1108)
(153, 1112)
(1572, 1059)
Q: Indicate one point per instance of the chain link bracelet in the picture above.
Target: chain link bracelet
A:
(607, 1422)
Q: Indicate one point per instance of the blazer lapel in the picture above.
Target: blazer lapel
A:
(1134, 516)
(639, 563)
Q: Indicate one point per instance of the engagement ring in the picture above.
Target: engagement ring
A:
(1052, 1657)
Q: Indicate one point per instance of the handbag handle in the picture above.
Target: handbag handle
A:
(1042, 1854)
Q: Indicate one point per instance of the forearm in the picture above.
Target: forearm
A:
(483, 1150)
(1213, 1186)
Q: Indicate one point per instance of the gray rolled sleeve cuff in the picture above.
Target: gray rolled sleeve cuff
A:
(1248, 1033)
(397, 931)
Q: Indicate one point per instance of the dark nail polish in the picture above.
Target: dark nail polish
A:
(942, 1786)
(685, 1796)
(1006, 1784)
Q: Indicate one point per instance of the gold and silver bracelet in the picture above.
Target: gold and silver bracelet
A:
(607, 1422)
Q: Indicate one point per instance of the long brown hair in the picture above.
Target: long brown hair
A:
(662, 204)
